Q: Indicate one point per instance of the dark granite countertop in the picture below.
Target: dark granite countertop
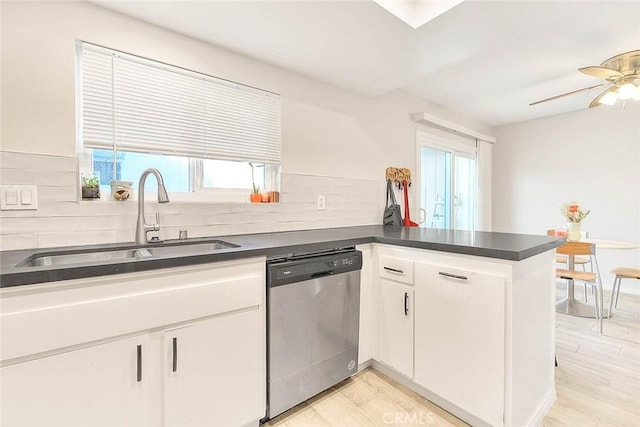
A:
(513, 247)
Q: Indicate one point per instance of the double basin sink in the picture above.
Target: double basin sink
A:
(170, 248)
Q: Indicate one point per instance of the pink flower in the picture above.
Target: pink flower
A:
(573, 213)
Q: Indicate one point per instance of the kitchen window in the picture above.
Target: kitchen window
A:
(202, 133)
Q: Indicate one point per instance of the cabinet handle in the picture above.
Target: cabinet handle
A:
(453, 276)
(406, 304)
(393, 270)
(139, 363)
(174, 367)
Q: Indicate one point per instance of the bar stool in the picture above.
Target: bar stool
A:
(586, 277)
(578, 260)
(621, 273)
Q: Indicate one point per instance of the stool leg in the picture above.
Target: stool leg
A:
(601, 298)
(618, 291)
(613, 295)
(585, 285)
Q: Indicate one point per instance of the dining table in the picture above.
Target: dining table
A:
(569, 304)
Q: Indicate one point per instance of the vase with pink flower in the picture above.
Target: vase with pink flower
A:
(574, 215)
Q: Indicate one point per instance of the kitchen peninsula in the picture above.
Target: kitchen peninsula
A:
(478, 337)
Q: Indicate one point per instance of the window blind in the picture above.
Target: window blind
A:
(130, 103)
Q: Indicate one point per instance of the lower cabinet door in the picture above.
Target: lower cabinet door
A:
(395, 326)
(215, 371)
(460, 333)
(103, 385)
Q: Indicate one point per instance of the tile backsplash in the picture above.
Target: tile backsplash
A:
(63, 221)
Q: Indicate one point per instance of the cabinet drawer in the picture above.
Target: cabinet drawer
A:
(85, 310)
(396, 269)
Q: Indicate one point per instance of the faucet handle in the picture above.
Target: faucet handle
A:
(157, 219)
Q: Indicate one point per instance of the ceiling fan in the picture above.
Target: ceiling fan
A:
(622, 75)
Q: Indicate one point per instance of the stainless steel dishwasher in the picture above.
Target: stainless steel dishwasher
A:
(313, 306)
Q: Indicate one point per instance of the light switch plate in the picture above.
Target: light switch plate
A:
(18, 197)
(321, 202)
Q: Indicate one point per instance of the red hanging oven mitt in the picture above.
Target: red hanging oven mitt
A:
(407, 219)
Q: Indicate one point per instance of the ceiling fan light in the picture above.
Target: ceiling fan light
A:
(636, 94)
(609, 98)
(626, 91)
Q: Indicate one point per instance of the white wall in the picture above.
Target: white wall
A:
(326, 132)
(591, 156)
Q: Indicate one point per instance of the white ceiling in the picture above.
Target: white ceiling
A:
(485, 59)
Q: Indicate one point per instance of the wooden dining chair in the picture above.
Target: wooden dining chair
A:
(590, 278)
(621, 273)
(579, 260)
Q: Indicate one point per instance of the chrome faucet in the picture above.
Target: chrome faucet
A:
(142, 228)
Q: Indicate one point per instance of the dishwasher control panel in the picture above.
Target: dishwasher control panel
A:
(311, 267)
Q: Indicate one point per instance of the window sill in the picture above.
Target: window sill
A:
(227, 197)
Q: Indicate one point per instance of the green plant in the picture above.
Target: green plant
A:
(256, 190)
(90, 181)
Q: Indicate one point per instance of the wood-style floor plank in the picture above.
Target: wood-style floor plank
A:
(597, 382)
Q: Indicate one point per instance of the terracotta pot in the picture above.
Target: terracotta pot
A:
(256, 198)
(274, 196)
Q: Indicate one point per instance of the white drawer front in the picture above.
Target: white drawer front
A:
(396, 269)
(109, 306)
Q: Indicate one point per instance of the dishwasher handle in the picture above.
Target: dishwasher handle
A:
(322, 274)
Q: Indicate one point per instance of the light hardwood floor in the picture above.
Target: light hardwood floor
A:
(597, 381)
(598, 376)
(367, 399)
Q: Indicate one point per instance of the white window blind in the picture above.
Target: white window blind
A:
(134, 104)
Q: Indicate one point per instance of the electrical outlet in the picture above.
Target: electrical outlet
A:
(321, 202)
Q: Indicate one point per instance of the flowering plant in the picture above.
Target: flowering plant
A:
(573, 213)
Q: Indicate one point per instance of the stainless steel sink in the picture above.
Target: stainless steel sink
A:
(96, 257)
(190, 248)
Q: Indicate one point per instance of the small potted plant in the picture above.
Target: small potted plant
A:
(90, 187)
(256, 197)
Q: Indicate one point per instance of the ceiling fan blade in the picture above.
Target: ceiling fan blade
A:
(596, 100)
(601, 72)
(568, 93)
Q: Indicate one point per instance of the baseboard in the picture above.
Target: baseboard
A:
(435, 399)
(543, 408)
(255, 423)
(364, 365)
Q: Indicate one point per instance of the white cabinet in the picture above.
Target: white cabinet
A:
(64, 363)
(460, 338)
(395, 308)
(479, 345)
(395, 268)
(213, 373)
(395, 326)
(102, 385)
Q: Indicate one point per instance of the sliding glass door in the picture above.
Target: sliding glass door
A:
(447, 186)
(464, 185)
